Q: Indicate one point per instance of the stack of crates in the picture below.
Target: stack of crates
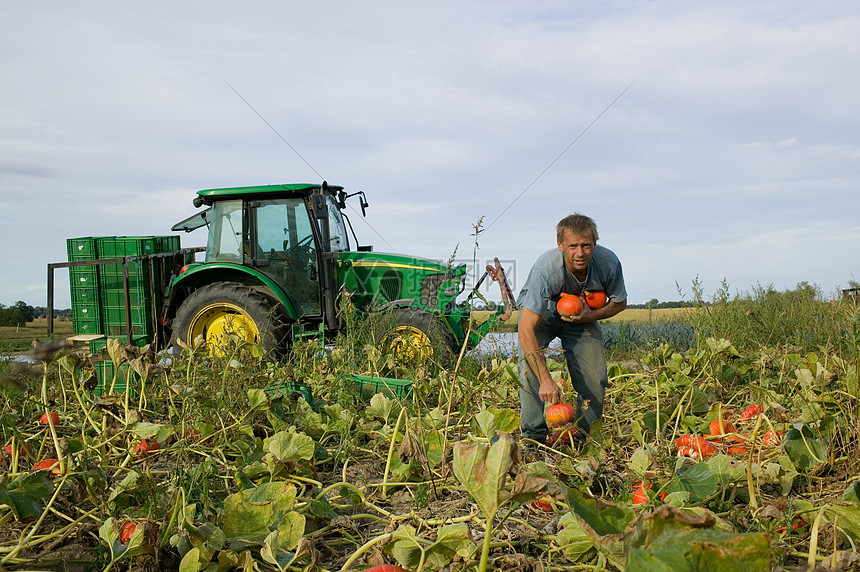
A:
(106, 370)
(98, 292)
(141, 293)
(84, 283)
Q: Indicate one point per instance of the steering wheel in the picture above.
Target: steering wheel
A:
(301, 251)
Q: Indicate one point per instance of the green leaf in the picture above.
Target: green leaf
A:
(152, 431)
(574, 540)
(639, 462)
(649, 420)
(727, 469)
(698, 479)
(251, 514)
(381, 407)
(804, 449)
(272, 554)
(486, 422)
(507, 420)
(289, 446)
(848, 519)
(678, 541)
(257, 399)
(698, 401)
(852, 493)
(483, 469)
(25, 494)
(191, 561)
(636, 429)
(603, 519)
(644, 561)
(452, 541)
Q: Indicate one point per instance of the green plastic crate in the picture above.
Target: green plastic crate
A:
(367, 386)
(86, 325)
(116, 246)
(83, 248)
(113, 315)
(85, 295)
(289, 388)
(83, 277)
(105, 374)
(167, 243)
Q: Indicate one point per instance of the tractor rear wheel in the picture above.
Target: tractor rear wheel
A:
(415, 338)
(227, 314)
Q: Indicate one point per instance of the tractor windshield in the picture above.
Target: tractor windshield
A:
(337, 231)
(225, 236)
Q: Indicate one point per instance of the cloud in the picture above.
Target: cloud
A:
(742, 122)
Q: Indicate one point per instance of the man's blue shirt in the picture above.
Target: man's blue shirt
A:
(549, 277)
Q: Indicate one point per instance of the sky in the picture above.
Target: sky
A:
(731, 156)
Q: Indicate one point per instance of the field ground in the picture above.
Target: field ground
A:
(737, 453)
(18, 339)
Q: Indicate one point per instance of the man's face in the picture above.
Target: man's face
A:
(577, 250)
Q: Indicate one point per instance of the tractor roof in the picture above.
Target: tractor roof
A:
(299, 189)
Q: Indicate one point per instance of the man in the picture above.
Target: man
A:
(577, 265)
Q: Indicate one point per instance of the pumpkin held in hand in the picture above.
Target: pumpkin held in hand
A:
(558, 414)
(569, 305)
(595, 299)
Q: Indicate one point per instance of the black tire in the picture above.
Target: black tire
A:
(415, 337)
(225, 313)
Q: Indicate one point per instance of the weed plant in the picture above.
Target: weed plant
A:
(764, 317)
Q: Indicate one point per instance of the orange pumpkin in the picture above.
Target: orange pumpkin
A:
(684, 441)
(771, 438)
(595, 299)
(640, 496)
(558, 414)
(569, 305)
(562, 435)
(704, 448)
(145, 446)
(126, 532)
(52, 465)
(738, 445)
(541, 504)
(751, 412)
(721, 427)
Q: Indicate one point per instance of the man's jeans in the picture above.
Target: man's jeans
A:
(586, 362)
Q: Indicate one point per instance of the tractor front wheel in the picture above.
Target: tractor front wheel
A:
(226, 315)
(412, 338)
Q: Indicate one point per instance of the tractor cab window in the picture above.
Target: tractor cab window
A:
(283, 236)
(225, 237)
(337, 230)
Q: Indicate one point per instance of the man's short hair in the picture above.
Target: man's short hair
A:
(577, 224)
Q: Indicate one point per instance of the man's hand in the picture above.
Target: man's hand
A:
(589, 315)
(549, 391)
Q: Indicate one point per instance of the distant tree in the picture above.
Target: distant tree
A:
(18, 314)
(652, 303)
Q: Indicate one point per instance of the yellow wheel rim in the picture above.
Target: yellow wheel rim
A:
(409, 345)
(223, 326)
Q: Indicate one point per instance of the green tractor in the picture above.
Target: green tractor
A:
(282, 262)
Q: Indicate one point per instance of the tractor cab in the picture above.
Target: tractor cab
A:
(281, 239)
